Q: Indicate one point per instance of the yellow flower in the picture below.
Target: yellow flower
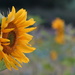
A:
(60, 39)
(14, 40)
(58, 25)
(53, 55)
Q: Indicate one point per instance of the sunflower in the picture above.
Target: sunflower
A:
(53, 55)
(14, 40)
(58, 24)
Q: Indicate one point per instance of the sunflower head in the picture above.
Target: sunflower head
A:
(14, 38)
(58, 23)
(53, 55)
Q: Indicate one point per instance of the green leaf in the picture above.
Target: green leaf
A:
(69, 61)
(2, 65)
(48, 67)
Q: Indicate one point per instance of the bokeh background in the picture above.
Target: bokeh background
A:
(49, 58)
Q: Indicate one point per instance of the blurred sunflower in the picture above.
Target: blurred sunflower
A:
(53, 55)
(58, 25)
(14, 40)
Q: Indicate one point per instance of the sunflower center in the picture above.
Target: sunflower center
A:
(8, 49)
(12, 37)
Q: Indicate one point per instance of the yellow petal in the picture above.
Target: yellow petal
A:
(14, 61)
(13, 9)
(11, 15)
(22, 30)
(4, 40)
(5, 43)
(1, 48)
(30, 29)
(7, 62)
(21, 12)
(20, 56)
(25, 36)
(7, 30)
(21, 17)
(13, 65)
(19, 23)
(21, 41)
(24, 48)
(28, 23)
